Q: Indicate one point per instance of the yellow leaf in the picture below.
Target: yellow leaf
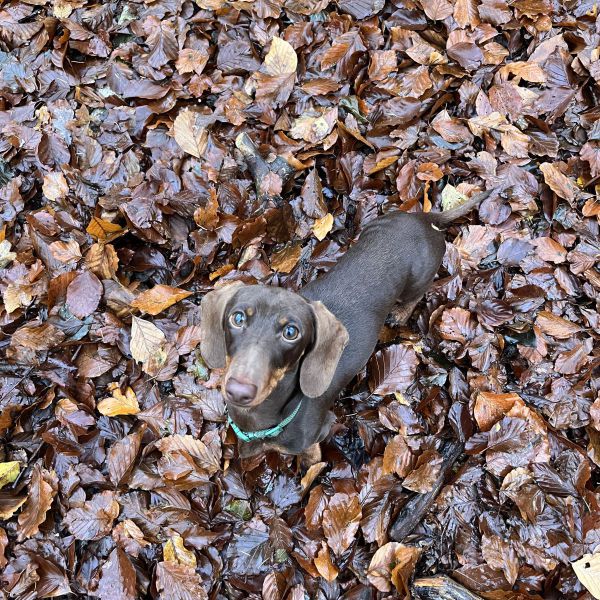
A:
(159, 298)
(6, 256)
(146, 340)
(119, 403)
(220, 272)
(9, 471)
(285, 260)
(174, 550)
(55, 186)
(103, 230)
(323, 226)
(281, 58)
(451, 197)
(191, 136)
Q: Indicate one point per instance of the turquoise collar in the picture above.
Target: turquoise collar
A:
(261, 434)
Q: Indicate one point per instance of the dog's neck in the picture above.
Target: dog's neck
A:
(271, 411)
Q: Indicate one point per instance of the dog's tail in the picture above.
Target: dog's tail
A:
(447, 216)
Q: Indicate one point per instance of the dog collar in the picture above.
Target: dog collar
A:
(261, 434)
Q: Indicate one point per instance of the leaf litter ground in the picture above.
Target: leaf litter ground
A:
(123, 199)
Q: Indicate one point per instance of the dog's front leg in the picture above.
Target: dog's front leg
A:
(311, 456)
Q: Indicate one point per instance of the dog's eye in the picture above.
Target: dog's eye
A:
(290, 332)
(238, 318)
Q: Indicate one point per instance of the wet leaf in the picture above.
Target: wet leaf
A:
(42, 490)
(393, 370)
(95, 518)
(118, 579)
(159, 298)
(119, 403)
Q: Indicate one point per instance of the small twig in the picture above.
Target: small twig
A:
(417, 507)
(441, 588)
(259, 168)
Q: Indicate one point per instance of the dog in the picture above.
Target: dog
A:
(288, 355)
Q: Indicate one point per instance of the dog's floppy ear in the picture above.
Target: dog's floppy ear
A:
(319, 365)
(212, 336)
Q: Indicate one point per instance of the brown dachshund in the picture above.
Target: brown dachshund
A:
(287, 356)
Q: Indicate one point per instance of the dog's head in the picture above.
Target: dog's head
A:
(262, 334)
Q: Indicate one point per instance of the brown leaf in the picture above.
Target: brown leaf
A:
(102, 260)
(384, 562)
(103, 230)
(556, 326)
(323, 226)
(286, 259)
(324, 564)
(466, 13)
(559, 183)
(341, 519)
(383, 62)
(456, 324)
(550, 250)
(55, 186)
(175, 581)
(95, 518)
(190, 133)
(428, 467)
(437, 10)
(159, 298)
(397, 457)
(392, 370)
(118, 579)
(491, 408)
(281, 58)
(84, 294)
(42, 490)
(121, 456)
(162, 42)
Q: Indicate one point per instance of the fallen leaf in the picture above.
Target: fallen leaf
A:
(324, 564)
(55, 186)
(281, 58)
(190, 133)
(323, 226)
(9, 471)
(159, 298)
(119, 404)
(94, 519)
(146, 340)
(42, 491)
(174, 550)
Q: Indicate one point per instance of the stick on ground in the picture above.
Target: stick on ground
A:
(441, 588)
(260, 168)
(416, 508)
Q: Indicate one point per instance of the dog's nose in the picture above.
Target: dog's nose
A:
(239, 392)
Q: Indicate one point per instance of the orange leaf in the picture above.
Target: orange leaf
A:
(160, 297)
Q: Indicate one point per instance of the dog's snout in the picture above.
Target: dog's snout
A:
(240, 392)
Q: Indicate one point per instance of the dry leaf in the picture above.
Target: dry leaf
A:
(587, 569)
(323, 226)
(281, 58)
(9, 471)
(147, 340)
(103, 230)
(55, 186)
(119, 404)
(190, 133)
(159, 298)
